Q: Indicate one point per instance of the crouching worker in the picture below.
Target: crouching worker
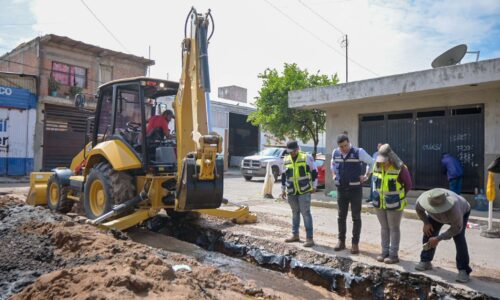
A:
(297, 183)
(436, 208)
(391, 182)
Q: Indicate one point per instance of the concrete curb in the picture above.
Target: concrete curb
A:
(14, 181)
(408, 213)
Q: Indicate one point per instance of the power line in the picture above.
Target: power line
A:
(109, 31)
(340, 31)
(319, 38)
(305, 29)
(321, 17)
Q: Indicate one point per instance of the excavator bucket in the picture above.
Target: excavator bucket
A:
(194, 193)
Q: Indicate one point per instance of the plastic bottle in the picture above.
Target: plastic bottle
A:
(481, 201)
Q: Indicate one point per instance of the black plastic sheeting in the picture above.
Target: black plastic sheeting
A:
(333, 279)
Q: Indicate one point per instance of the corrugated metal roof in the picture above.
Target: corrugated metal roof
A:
(22, 81)
(103, 52)
(66, 41)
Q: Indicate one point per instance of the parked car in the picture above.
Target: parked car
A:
(320, 164)
(255, 165)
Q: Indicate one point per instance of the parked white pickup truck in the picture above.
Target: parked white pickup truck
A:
(255, 165)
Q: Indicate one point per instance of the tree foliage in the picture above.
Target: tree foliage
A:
(273, 113)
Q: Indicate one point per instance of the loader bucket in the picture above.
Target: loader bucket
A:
(38, 188)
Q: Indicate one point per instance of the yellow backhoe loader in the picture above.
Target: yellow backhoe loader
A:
(124, 176)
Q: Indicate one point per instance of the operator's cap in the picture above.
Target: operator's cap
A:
(292, 146)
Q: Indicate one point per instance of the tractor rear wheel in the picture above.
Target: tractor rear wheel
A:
(105, 188)
(56, 196)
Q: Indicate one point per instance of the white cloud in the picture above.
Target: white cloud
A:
(387, 37)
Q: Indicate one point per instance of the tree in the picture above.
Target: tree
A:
(273, 113)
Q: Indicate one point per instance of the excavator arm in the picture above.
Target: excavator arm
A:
(200, 183)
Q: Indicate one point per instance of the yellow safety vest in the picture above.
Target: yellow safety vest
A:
(388, 193)
(298, 175)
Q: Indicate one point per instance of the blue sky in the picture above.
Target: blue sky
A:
(386, 37)
(16, 23)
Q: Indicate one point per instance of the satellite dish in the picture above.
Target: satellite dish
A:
(450, 57)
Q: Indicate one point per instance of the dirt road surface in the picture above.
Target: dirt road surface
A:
(275, 224)
(53, 256)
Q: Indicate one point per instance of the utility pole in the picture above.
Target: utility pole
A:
(149, 57)
(345, 43)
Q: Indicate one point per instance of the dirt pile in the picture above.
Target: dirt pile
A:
(47, 256)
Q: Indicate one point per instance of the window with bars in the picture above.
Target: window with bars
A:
(69, 75)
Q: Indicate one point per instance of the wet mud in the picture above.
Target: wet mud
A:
(50, 256)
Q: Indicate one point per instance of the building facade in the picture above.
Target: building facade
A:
(64, 67)
(18, 99)
(422, 114)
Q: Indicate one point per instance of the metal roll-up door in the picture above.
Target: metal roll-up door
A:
(431, 142)
(372, 132)
(466, 142)
(64, 135)
(400, 135)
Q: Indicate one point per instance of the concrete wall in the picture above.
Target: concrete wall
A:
(345, 116)
(432, 80)
(233, 93)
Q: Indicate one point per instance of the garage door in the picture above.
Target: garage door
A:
(64, 135)
(420, 138)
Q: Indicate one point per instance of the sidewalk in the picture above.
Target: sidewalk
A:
(14, 179)
(319, 199)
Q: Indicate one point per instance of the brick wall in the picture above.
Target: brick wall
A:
(27, 60)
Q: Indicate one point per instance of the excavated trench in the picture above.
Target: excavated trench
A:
(340, 275)
(276, 268)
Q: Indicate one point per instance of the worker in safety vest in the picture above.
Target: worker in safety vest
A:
(348, 175)
(298, 181)
(391, 182)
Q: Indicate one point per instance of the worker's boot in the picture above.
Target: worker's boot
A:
(354, 249)
(340, 246)
(462, 276)
(391, 260)
(309, 242)
(292, 239)
(423, 266)
(382, 257)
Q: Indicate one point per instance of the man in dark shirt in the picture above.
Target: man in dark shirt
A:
(454, 171)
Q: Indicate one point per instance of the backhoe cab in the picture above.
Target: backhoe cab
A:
(125, 175)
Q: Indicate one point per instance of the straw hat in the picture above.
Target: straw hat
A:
(436, 201)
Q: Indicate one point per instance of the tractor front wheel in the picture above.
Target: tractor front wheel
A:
(56, 196)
